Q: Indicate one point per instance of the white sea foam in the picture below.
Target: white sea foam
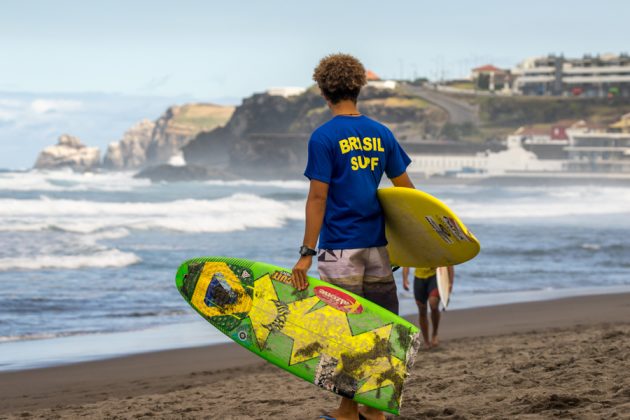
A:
(293, 184)
(546, 203)
(11, 338)
(101, 259)
(233, 213)
(116, 233)
(66, 180)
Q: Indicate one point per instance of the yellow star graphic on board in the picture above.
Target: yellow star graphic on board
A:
(324, 331)
(264, 311)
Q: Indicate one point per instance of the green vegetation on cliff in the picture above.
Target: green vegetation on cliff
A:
(502, 115)
(520, 110)
(203, 117)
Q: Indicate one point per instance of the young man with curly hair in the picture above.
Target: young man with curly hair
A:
(347, 157)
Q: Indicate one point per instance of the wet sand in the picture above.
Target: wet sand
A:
(568, 357)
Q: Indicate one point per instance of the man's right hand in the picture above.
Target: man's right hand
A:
(298, 279)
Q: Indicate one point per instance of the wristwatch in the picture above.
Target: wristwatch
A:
(306, 251)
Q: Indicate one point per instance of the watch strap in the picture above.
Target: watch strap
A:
(306, 251)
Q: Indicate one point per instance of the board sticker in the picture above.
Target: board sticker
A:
(412, 352)
(281, 276)
(338, 300)
(328, 377)
(455, 229)
(440, 229)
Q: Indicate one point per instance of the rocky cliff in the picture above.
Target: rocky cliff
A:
(179, 125)
(153, 143)
(130, 152)
(69, 152)
(267, 135)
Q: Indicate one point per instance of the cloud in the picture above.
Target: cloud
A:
(10, 109)
(7, 115)
(46, 106)
(10, 103)
(36, 111)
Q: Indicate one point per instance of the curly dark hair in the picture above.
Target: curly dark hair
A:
(340, 77)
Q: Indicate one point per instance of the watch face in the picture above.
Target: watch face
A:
(305, 251)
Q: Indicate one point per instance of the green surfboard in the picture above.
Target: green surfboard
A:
(324, 334)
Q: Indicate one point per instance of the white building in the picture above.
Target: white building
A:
(592, 151)
(590, 76)
(285, 91)
(382, 84)
(514, 159)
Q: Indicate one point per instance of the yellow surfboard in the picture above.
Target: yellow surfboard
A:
(422, 231)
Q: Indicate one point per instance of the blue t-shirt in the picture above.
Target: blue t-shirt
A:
(350, 154)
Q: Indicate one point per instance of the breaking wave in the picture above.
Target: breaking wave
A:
(293, 184)
(233, 213)
(66, 180)
(546, 203)
(110, 258)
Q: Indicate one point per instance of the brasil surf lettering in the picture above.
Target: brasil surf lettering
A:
(368, 144)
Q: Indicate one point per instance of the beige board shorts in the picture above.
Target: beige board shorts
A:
(363, 271)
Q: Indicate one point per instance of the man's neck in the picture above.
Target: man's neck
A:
(345, 107)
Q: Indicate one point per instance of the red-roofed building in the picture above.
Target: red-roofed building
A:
(489, 77)
(371, 76)
(376, 82)
(488, 68)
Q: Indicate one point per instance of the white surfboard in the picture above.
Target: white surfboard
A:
(444, 285)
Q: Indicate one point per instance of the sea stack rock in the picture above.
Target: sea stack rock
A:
(131, 151)
(69, 152)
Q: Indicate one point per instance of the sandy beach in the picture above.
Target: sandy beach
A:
(566, 358)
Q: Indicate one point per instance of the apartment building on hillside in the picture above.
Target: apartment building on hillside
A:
(605, 75)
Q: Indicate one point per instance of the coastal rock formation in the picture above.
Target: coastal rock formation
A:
(130, 151)
(154, 143)
(180, 124)
(69, 152)
(267, 135)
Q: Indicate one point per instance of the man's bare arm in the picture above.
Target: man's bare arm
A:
(315, 209)
(403, 181)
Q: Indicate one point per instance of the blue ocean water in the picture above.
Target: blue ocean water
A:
(87, 257)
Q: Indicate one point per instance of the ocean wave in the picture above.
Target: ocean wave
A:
(35, 336)
(546, 203)
(111, 258)
(149, 314)
(557, 248)
(233, 213)
(291, 184)
(67, 180)
(49, 335)
(116, 233)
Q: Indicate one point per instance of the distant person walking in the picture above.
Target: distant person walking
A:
(426, 293)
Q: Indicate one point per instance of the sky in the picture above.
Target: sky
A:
(220, 51)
